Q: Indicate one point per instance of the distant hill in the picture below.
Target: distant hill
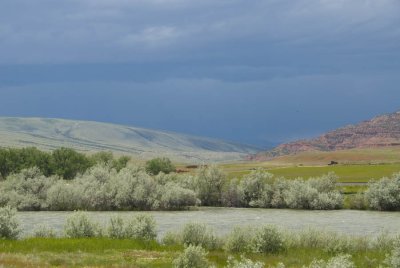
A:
(89, 136)
(379, 132)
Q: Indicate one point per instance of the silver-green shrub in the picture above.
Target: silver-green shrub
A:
(315, 193)
(192, 257)
(79, 225)
(26, 190)
(64, 196)
(268, 239)
(43, 231)
(243, 263)
(173, 196)
(330, 242)
(261, 189)
(198, 234)
(116, 228)
(384, 194)
(142, 227)
(393, 260)
(9, 226)
(341, 261)
(240, 240)
(209, 184)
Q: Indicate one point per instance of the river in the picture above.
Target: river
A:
(224, 219)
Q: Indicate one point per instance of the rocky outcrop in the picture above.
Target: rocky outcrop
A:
(381, 131)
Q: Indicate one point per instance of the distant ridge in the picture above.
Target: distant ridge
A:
(381, 131)
(46, 133)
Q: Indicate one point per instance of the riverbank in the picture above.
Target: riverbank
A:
(103, 252)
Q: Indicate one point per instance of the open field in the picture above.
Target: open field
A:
(102, 252)
(346, 173)
(386, 155)
(359, 165)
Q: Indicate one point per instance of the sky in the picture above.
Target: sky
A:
(257, 72)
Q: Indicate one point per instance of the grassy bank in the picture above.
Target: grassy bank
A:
(103, 252)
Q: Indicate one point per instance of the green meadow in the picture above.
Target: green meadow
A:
(103, 252)
(345, 173)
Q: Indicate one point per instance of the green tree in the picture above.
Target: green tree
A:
(157, 165)
(67, 163)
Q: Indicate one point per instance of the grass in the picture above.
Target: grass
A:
(346, 173)
(102, 252)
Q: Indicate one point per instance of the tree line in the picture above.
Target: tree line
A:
(63, 162)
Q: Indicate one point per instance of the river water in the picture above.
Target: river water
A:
(224, 219)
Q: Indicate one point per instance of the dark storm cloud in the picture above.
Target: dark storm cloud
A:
(250, 71)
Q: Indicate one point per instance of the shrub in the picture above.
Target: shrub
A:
(233, 195)
(240, 240)
(79, 225)
(43, 231)
(142, 227)
(192, 257)
(157, 165)
(255, 188)
(135, 189)
(26, 190)
(197, 234)
(393, 260)
(243, 263)
(174, 196)
(209, 184)
(172, 238)
(341, 261)
(116, 228)
(384, 194)
(64, 196)
(9, 226)
(268, 240)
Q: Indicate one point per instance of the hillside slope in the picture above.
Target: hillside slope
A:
(379, 132)
(94, 136)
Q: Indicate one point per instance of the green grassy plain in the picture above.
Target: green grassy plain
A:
(102, 252)
(361, 165)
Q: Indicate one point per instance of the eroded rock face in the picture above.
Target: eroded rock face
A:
(381, 131)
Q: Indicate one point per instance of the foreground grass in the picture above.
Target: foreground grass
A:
(103, 252)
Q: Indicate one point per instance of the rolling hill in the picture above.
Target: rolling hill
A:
(87, 136)
(380, 132)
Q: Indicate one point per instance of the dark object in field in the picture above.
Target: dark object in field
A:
(332, 163)
(179, 170)
(192, 166)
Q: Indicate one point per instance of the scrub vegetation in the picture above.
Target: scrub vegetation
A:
(109, 183)
(87, 243)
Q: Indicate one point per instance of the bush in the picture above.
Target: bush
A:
(142, 227)
(197, 234)
(268, 240)
(240, 240)
(384, 194)
(157, 165)
(26, 190)
(9, 226)
(243, 263)
(317, 193)
(341, 261)
(174, 196)
(209, 184)
(393, 260)
(116, 228)
(64, 196)
(79, 225)
(43, 231)
(192, 257)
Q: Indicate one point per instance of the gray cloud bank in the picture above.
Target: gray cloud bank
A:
(250, 71)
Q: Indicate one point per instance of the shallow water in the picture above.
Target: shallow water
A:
(224, 219)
